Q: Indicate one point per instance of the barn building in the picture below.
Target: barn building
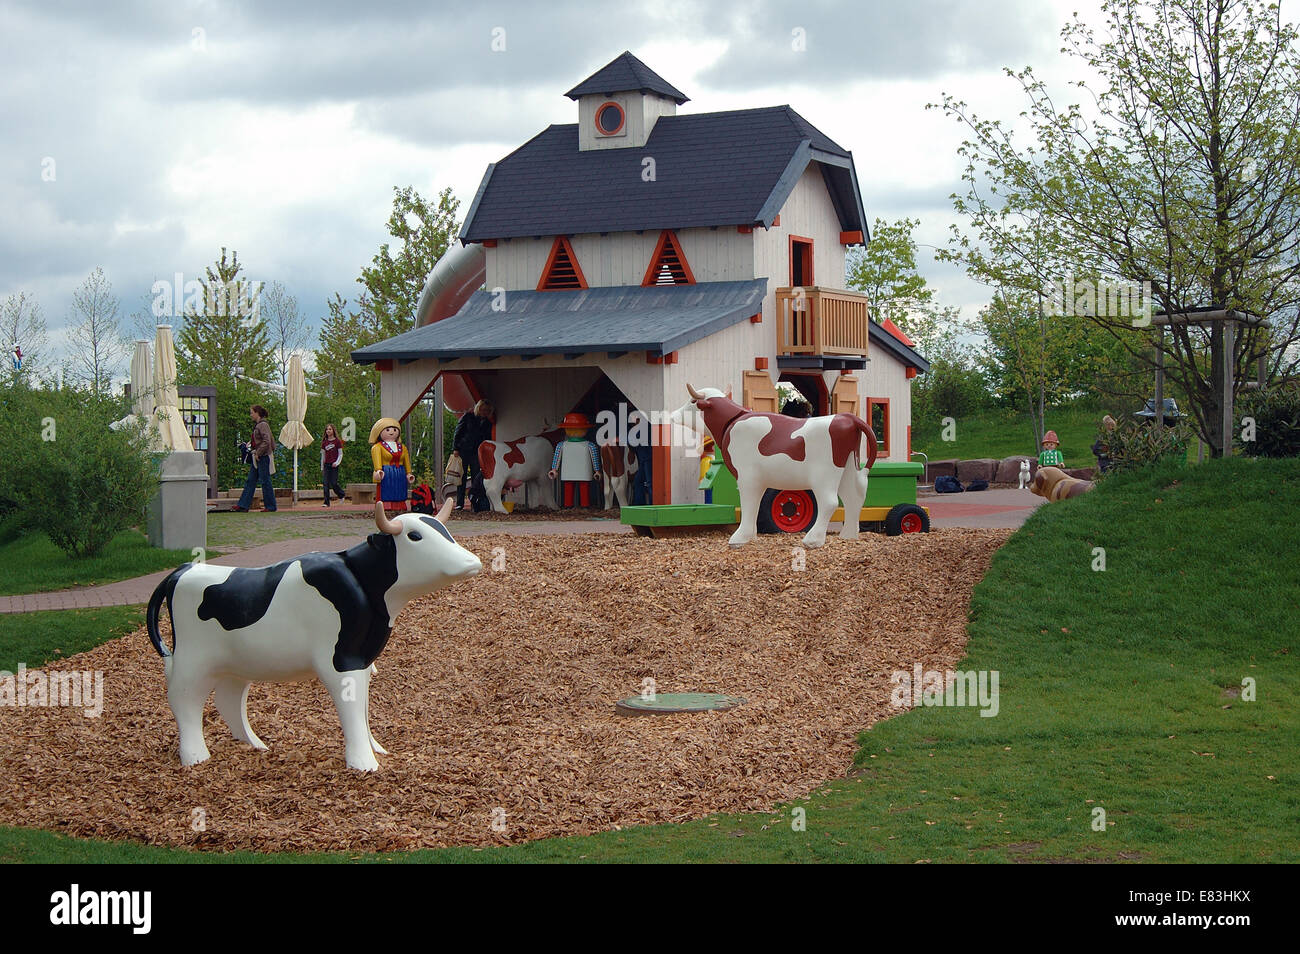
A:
(612, 260)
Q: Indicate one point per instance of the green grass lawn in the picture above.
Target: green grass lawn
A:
(38, 638)
(1119, 690)
(32, 564)
(1002, 432)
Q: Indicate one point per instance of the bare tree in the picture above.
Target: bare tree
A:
(22, 329)
(98, 346)
(285, 325)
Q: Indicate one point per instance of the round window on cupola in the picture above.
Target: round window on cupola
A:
(610, 119)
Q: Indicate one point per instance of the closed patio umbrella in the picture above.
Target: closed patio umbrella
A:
(294, 433)
(171, 426)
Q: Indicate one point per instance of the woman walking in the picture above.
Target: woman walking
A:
(331, 458)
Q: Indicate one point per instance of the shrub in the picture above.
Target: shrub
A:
(1276, 412)
(66, 474)
(1133, 444)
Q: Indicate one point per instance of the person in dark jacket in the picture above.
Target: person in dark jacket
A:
(262, 446)
(474, 428)
(640, 440)
(1101, 447)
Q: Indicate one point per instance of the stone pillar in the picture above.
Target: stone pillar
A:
(178, 513)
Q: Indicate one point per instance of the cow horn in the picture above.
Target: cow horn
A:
(695, 395)
(385, 525)
(447, 505)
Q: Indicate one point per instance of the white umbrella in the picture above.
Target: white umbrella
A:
(294, 433)
(171, 426)
(142, 400)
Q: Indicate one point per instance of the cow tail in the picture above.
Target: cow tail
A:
(163, 591)
(865, 428)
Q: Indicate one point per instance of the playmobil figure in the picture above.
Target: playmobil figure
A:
(1050, 456)
(326, 615)
(576, 460)
(1024, 474)
(772, 451)
(392, 464)
(1053, 483)
(509, 465)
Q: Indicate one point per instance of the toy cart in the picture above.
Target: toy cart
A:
(890, 505)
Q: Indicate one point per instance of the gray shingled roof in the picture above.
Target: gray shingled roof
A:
(609, 319)
(711, 169)
(627, 74)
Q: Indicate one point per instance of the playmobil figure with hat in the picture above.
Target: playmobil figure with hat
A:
(576, 460)
(1051, 457)
(392, 464)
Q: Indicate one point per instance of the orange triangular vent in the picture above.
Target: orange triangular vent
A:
(668, 264)
(562, 270)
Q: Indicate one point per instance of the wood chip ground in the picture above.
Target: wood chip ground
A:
(496, 699)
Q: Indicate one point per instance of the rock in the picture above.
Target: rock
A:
(983, 468)
(1083, 473)
(1008, 471)
(940, 468)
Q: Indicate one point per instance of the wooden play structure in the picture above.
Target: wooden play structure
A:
(605, 263)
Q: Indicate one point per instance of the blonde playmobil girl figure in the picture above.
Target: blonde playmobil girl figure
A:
(392, 464)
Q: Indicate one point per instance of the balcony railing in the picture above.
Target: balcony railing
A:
(817, 320)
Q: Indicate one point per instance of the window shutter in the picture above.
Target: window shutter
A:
(668, 265)
(562, 270)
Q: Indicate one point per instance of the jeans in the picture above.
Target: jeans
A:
(259, 471)
(330, 477)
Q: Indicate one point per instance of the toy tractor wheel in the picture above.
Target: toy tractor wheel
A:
(787, 511)
(907, 518)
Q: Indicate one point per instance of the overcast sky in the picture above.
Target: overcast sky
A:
(144, 136)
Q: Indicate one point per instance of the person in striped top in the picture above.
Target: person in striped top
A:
(576, 460)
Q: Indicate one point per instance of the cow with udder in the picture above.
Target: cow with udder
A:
(509, 465)
(773, 451)
(321, 615)
(618, 464)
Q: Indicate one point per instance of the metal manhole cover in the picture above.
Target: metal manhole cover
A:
(664, 703)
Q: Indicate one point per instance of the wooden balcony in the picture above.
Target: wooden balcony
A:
(821, 321)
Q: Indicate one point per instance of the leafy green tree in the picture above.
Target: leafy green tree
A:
(225, 331)
(1181, 173)
(885, 268)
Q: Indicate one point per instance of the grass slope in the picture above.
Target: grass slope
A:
(32, 564)
(1116, 692)
(46, 637)
(1005, 433)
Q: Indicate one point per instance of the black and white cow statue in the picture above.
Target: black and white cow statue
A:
(326, 615)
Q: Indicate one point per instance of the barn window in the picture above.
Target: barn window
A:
(878, 415)
(562, 270)
(610, 119)
(668, 265)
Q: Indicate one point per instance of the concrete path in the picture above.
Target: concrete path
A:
(989, 508)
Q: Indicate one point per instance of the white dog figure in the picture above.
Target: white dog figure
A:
(321, 615)
(1024, 474)
(773, 451)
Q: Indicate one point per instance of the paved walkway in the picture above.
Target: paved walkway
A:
(990, 508)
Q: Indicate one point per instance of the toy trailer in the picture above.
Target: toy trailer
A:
(890, 505)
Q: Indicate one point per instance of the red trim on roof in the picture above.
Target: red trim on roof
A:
(897, 332)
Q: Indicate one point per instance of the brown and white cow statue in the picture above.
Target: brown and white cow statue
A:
(773, 451)
(508, 465)
(617, 465)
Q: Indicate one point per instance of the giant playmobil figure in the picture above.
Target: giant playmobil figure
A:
(392, 464)
(773, 451)
(326, 615)
(576, 460)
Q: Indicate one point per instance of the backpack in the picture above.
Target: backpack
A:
(947, 485)
(422, 499)
(978, 485)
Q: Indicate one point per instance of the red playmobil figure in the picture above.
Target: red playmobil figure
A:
(576, 459)
(392, 464)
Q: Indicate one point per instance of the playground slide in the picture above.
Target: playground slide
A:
(458, 274)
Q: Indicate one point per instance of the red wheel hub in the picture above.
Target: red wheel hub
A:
(792, 510)
(911, 523)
